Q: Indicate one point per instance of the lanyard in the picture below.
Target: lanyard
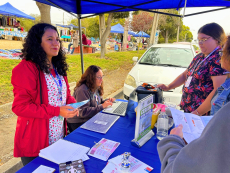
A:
(198, 63)
(59, 84)
(97, 97)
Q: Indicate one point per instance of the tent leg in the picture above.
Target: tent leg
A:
(80, 38)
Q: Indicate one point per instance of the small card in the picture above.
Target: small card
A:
(44, 169)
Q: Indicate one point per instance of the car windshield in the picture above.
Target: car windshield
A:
(169, 56)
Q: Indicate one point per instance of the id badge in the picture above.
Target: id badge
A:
(187, 83)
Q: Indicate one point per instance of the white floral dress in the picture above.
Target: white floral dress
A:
(56, 124)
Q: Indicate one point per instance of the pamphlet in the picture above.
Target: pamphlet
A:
(103, 149)
(44, 169)
(137, 166)
(193, 125)
(64, 151)
(100, 123)
(78, 104)
(143, 130)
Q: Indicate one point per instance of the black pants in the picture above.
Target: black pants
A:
(73, 126)
(26, 160)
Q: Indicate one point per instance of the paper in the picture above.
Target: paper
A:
(63, 151)
(114, 166)
(193, 125)
(44, 169)
(103, 149)
(100, 123)
(78, 104)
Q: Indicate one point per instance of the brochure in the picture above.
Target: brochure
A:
(103, 149)
(136, 166)
(193, 125)
(78, 104)
(100, 123)
(143, 130)
(64, 151)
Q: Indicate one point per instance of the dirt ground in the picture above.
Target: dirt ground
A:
(113, 81)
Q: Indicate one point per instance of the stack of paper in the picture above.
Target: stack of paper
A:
(63, 151)
(114, 166)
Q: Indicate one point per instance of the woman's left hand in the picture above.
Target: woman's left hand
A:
(177, 131)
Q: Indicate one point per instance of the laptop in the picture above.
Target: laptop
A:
(118, 108)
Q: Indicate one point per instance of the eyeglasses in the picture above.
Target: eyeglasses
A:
(99, 77)
(203, 40)
(221, 52)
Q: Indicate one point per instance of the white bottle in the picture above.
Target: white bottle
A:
(162, 124)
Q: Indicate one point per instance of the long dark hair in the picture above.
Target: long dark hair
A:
(33, 51)
(225, 58)
(89, 79)
(215, 31)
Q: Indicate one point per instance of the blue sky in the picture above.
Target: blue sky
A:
(194, 22)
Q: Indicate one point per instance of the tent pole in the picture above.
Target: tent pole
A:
(80, 38)
(185, 2)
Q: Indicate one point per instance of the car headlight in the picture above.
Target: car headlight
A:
(130, 81)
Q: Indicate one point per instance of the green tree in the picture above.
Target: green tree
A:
(91, 24)
(185, 34)
(168, 24)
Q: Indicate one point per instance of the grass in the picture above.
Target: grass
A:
(113, 61)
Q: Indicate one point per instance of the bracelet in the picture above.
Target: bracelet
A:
(197, 112)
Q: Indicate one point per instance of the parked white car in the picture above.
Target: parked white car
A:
(161, 63)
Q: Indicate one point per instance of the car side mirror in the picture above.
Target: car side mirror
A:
(135, 58)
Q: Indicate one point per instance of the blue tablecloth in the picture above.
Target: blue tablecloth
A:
(122, 131)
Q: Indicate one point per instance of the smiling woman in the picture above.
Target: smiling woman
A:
(41, 92)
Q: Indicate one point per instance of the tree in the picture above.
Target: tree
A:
(45, 12)
(185, 34)
(27, 23)
(168, 24)
(142, 22)
(91, 24)
(106, 33)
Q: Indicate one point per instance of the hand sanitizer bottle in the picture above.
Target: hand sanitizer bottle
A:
(162, 124)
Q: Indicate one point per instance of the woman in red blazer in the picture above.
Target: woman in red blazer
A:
(41, 92)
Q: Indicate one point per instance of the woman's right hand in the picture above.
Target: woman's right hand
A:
(106, 104)
(163, 87)
(66, 113)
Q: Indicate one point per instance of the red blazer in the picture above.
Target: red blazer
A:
(32, 129)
